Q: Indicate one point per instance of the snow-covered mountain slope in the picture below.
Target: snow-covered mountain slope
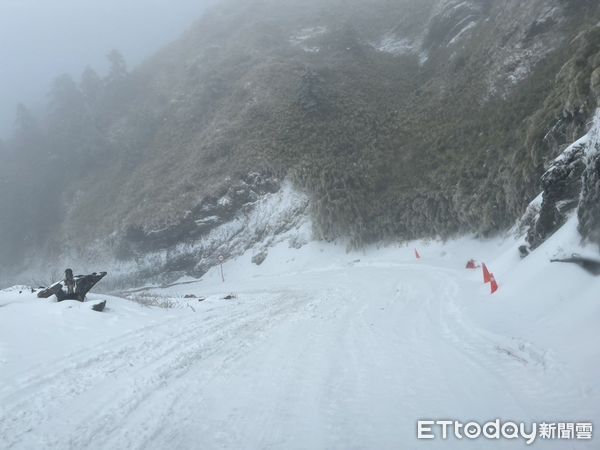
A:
(318, 348)
(398, 120)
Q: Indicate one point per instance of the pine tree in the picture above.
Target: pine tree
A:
(65, 98)
(25, 123)
(72, 129)
(27, 136)
(117, 71)
(91, 86)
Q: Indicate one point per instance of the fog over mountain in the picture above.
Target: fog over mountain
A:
(42, 39)
(373, 121)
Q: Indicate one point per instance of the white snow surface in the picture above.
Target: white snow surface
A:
(306, 35)
(463, 31)
(390, 43)
(396, 45)
(320, 349)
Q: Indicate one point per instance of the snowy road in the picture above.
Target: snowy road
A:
(335, 357)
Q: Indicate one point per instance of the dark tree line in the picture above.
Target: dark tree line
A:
(50, 149)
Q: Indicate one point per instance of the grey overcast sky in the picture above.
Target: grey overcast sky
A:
(40, 39)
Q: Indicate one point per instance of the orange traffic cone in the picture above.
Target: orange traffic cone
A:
(493, 283)
(486, 274)
(417, 254)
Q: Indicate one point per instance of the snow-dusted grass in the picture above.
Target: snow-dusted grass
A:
(150, 300)
(319, 348)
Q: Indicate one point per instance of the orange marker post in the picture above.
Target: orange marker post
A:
(493, 283)
(486, 274)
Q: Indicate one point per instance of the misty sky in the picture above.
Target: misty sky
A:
(40, 39)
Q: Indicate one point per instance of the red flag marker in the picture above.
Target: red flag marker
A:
(493, 283)
(486, 274)
(417, 254)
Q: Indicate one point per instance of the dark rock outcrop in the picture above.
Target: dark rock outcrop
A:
(99, 307)
(561, 190)
(259, 258)
(589, 207)
(212, 211)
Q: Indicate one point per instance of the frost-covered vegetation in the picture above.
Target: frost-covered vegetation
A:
(387, 145)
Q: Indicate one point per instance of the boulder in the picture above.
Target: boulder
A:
(259, 258)
(99, 306)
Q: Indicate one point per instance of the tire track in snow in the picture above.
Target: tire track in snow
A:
(178, 380)
(532, 376)
(163, 351)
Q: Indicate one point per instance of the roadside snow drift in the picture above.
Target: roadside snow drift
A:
(316, 348)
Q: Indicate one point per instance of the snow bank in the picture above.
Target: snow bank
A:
(35, 332)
